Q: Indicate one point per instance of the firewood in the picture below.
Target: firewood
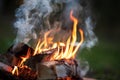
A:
(32, 61)
(61, 70)
(25, 73)
(6, 58)
(40, 67)
(5, 72)
(5, 67)
(4, 75)
(45, 73)
(17, 51)
(88, 79)
(20, 49)
(38, 58)
(64, 69)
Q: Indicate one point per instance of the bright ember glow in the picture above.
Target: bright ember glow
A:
(15, 71)
(65, 50)
(24, 58)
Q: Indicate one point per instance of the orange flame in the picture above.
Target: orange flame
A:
(24, 58)
(15, 71)
(64, 50)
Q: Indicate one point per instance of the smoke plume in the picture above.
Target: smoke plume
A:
(34, 17)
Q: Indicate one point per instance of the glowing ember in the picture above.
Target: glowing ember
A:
(64, 50)
(68, 78)
(24, 58)
(15, 71)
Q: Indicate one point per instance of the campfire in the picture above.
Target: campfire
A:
(53, 58)
(59, 60)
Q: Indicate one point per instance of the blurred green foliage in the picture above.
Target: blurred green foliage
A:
(7, 33)
(103, 61)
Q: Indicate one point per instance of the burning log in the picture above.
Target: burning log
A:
(33, 60)
(25, 73)
(5, 67)
(49, 60)
(4, 75)
(20, 49)
(46, 69)
(6, 58)
(17, 51)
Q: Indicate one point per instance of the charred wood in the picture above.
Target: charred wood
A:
(4, 75)
(38, 58)
(32, 61)
(5, 67)
(6, 58)
(39, 66)
(25, 73)
(60, 69)
(17, 51)
(20, 49)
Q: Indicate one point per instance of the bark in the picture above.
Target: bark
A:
(25, 73)
(5, 67)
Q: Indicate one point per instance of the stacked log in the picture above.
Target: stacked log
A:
(37, 67)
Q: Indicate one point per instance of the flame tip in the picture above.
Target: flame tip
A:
(70, 50)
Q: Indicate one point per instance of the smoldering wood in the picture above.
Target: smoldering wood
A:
(4, 75)
(5, 67)
(17, 51)
(5, 72)
(6, 58)
(38, 58)
(20, 49)
(25, 73)
(32, 61)
(60, 69)
(41, 68)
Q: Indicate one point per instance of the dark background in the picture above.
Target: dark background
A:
(104, 58)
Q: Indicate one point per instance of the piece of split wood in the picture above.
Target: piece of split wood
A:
(5, 67)
(88, 79)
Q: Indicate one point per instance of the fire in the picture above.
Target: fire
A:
(24, 58)
(65, 50)
(15, 71)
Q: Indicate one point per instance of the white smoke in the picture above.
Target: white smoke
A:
(33, 17)
(27, 20)
(90, 37)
